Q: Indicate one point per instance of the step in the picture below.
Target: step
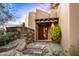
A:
(36, 46)
(45, 41)
(33, 52)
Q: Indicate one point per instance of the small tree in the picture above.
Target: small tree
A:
(5, 14)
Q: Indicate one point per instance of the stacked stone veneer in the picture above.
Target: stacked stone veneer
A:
(24, 33)
(27, 34)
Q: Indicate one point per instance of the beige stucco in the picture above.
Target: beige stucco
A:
(36, 15)
(63, 12)
(31, 20)
(74, 28)
(53, 13)
(32, 16)
(26, 21)
(69, 22)
(41, 14)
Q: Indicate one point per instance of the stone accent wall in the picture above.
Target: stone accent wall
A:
(23, 33)
(27, 34)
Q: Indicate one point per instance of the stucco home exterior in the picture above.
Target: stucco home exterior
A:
(68, 21)
(41, 21)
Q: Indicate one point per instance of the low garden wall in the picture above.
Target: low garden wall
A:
(23, 32)
(14, 48)
(13, 35)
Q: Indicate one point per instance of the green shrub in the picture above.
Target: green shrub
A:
(56, 53)
(10, 36)
(56, 34)
(1, 31)
(6, 38)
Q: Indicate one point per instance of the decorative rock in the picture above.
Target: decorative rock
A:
(10, 46)
(13, 48)
(18, 53)
(22, 44)
(33, 51)
(27, 34)
(8, 53)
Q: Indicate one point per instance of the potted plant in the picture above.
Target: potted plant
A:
(56, 34)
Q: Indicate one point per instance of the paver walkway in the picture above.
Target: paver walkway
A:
(41, 48)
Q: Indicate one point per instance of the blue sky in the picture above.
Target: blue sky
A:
(21, 10)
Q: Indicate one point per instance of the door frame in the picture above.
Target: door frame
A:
(45, 20)
(37, 34)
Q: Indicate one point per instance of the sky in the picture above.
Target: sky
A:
(21, 10)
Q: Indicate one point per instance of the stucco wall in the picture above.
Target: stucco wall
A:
(74, 28)
(26, 21)
(69, 22)
(41, 14)
(63, 12)
(36, 15)
(31, 20)
(53, 13)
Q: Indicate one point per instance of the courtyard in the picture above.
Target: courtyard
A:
(42, 32)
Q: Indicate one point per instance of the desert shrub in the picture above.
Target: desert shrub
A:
(6, 38)
(15, 30)
(56, 53)
(1, 31)
(10, 36)
(56, 34)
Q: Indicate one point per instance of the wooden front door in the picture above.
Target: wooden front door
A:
(43, 30)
